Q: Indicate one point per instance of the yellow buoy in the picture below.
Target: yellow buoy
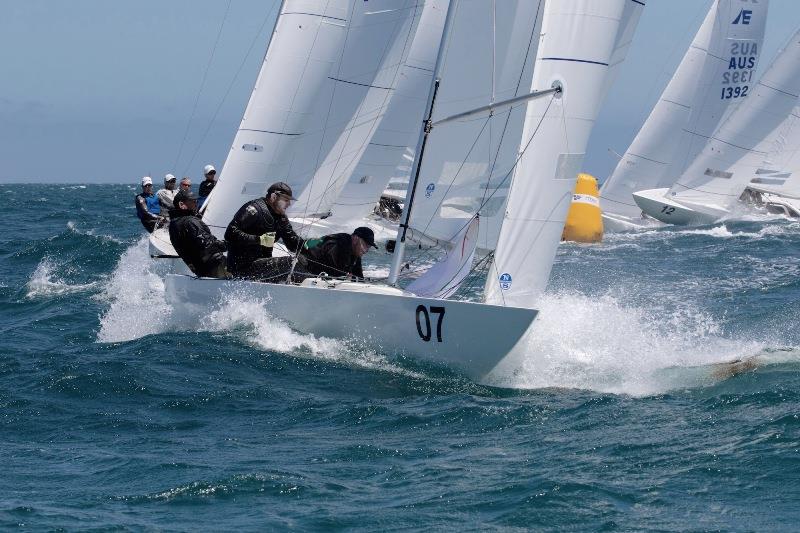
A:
(584, 221)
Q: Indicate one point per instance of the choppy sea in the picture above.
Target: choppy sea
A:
(113, 415)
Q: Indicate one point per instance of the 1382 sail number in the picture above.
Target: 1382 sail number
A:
(424, 322)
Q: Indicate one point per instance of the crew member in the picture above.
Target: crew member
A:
(167, 194)
(210, 174)
(194, 242)
(338, 255)
(186, 184)
(253, 231)
(147, 207)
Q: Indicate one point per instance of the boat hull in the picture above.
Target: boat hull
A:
(470, 337)
(654, 203)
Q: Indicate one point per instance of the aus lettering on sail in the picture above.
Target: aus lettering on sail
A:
(741, 64)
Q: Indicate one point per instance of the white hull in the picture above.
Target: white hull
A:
(654, 203)
(613, 223)
(161, 246)
(470, 337)
(780, 204)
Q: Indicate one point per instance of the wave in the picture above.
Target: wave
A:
(779, 227)
(724, 233)
(44, 282)
(137, 308)
(135, 294)
(73, 227)
(601, 344)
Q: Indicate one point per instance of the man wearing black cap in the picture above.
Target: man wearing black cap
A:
(253, 231)
(194, 242)
(338, 255)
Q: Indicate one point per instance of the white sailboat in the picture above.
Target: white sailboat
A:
(715, 73)
(711, 186)
(576, 45)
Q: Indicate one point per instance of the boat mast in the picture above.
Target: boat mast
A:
(400, 245)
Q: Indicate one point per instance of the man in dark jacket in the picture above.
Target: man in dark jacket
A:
(194, 242)
(338, 255)
(253, 231)
(210, 174)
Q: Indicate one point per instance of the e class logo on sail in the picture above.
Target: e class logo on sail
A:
(741, 64)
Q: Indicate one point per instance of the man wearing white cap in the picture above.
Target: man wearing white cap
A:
(147, 207)
(210, 174)
(167, 194)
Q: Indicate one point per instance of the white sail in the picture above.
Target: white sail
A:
(577, 45)
(444, 278)
(722, 56)
(366, 77)
(736, 151)
(780, 170)
(390, 150)
(467, 163)
(306, 44)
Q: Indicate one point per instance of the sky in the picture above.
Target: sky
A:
(109, 91)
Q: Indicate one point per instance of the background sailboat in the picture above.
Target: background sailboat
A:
(690, 108)
(715, 180)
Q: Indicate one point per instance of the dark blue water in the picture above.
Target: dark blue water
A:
(116, 415)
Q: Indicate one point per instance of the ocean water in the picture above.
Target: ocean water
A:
(117, 414)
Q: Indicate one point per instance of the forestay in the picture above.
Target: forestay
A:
(716, 72)
(306, 43)
(577, 45)
(390, 150)
(739, 146)
(378, 44)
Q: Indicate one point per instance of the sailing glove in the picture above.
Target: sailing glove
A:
(268, 239)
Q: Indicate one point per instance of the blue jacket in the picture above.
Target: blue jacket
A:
(147, 207)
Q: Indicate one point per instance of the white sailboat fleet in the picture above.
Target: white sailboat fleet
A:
(716, 73)
(718, 140)
(319, 117)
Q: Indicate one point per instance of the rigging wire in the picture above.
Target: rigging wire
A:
(202, 85)
(230, 86)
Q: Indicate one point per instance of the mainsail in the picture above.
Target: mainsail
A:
(318, 88)
(716, 72)
(780, 171)
(306, 43)
(366, 77)
(390, 150)
(738, 148)
(467, 162)
(577, 45)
